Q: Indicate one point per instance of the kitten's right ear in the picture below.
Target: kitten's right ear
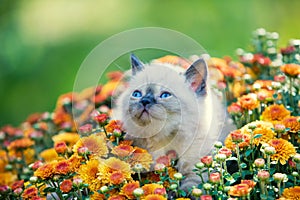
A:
(136, 64)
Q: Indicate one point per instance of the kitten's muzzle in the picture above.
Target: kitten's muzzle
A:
(146, 100)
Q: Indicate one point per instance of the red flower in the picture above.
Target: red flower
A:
(207, 160)
(215, 177)
(234, 108)
(206, 197)
(17, 184)
(60, 147)
(66, 186)
(101, 118)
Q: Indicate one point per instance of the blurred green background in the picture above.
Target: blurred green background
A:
(43, 42)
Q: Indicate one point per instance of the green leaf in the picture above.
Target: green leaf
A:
(257, 136)
(243, 165)
(49, 189)
(248, 152)
(236, 175)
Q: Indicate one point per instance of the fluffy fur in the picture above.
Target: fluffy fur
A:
(188, 119)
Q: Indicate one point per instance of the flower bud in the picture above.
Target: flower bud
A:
(296, 158)
(138, 167)
(220, 157)
(279, 78)
(18, 191)
(159, 167)
(236, 136)
(263, 175)
(77, 181)
(104, 189)
(196, 192)
(199, 165)
(83, 150)
(173, 186)
(101, 118)
(33, 179)
(117, 132)
(138, 192)
(8, 167)
(276, 85)
(226, 151)
(279, 128)
(278, 177)
(259, 162)
(295, 174)
(207, 160)
(206, 197)
(218, 145)
(215, 177)
(270, 150)
(178, 176)
(85, 129)
(207, 186)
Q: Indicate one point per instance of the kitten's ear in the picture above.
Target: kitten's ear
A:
(196, 76)
(136, 64)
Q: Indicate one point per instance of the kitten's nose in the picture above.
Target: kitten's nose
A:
(145, 101)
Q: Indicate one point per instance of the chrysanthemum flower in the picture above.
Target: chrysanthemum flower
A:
(97, 196)
(112, 125)
(62, 167)
(291, 69)
(122, 150)
(45, 171)
(263, 128)
(275, 112)
(245, 141)
(250, 183)
(249, 101)
(111, 165)
(20, 144)
(293, 123)
(116, 197)
(66, 185)
(30, 192)
(128, 189)
(49, 155)
(234, 108)
(68, 137)
(60, 147)
(155, 197)
(291, 193)
(150, 188)
(95, 143)
(89, 174)
(75, 162)
(284, 150)
(116, 178)
(141, 156)
(239, 190)
(17, 184)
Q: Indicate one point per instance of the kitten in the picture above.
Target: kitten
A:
(163, 109)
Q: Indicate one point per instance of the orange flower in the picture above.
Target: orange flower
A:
(7, 178)
(17, 184)
(128, 189)
(66, 186)
(116, 178)
(292, 70)
(62, 167)
(97, 196)
(45, 171)
(234, 108)
(112, 125)
(284, 150)
(275, 112)
(240, 190)
(116, 197)
(111, 165)
(250, 183)
(122, 150)
(291, 193)
(150, 188)
(75, 162)
(30, 192)
(155, 197)
(141, 156)
(245, 140)
(20, 144)
(249, 101)
(95, 143)
(175, 60)
(60, 147)
(293, 123)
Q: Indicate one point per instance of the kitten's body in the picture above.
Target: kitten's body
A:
(169, 111)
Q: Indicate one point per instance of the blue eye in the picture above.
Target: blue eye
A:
(136, 94)
(165, 95)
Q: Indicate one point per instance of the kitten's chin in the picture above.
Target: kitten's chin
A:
(143, 118)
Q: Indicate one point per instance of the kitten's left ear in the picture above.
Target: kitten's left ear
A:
(136, 64)
(196, 76)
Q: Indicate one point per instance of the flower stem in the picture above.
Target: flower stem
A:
(291, 92)
(239, 159)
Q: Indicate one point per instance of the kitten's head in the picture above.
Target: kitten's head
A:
(158, 96)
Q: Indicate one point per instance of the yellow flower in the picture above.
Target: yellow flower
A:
(239, 190)
(95, 143)
(3, 160)
(292, 193)
(75, 162)
(284, 150)
(275, 112)
(7, 178)
(46, 171)
(150, 188)
(141, 156)
(69, 138)
(89, 174)
(112, 165)
(263, 128)
(49, 155)
(97, 196)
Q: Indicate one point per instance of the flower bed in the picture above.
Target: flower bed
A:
(47, 157)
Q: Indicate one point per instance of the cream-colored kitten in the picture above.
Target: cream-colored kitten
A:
(163, 109)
